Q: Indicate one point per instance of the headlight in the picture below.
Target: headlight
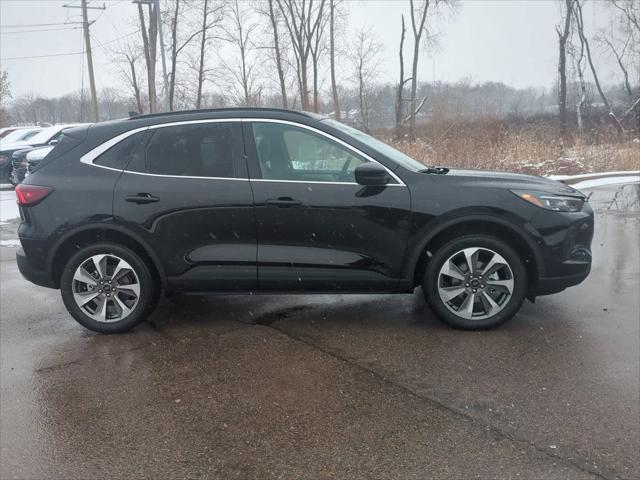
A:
(549, 201)
(3, 159)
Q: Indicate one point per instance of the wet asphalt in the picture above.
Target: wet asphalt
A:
(331, 386)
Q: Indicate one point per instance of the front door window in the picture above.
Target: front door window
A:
(286, 152)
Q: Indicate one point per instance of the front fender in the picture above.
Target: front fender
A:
(486, 217)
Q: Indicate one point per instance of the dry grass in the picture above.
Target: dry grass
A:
(526, 146)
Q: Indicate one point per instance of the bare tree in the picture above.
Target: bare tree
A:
(303, 21)
(5, 94)
(418, 26)
(332, 58)
(149, 42)
(400, 87)
(210, 18)
(274, 19)
(563, 36)
(127, 57)
(365, 57)
(596, 80)
(238, 34)
(577, 54)
(622, 38)
(317, 45)
(619, 58)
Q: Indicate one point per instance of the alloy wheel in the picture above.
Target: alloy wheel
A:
(475, 283)
(106, 288)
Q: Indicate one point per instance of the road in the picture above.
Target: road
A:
(332, 386)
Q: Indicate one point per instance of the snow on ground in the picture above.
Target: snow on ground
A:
(601, 182)
(8, 206)
(12, 242)
(586, 176)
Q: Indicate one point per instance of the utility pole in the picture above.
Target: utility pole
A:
(163, 58)
(87, 40)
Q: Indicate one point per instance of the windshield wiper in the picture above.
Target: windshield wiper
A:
(435, 170)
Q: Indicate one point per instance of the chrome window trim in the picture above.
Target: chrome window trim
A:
(89, 157)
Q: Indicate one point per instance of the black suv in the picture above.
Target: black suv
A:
(266, 200)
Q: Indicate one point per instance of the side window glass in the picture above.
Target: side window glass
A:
(197, 150)
(286, 152)
(122, 153)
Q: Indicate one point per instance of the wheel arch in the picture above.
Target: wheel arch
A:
(475, 224)
(69, 243)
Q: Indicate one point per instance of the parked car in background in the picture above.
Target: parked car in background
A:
(267, 200)
(6, 131)
(22, 159)
(19, 165)
(46, 136)
(35, 156)
(19, 134)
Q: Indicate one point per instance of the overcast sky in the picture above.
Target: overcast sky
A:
(511, 41)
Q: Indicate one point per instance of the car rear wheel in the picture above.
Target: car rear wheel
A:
(475, 282)
(108, 288)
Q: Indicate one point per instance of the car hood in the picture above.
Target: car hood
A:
(5, 147)
(512, 181)
(39, 153)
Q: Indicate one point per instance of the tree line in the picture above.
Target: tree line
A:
(293, 54)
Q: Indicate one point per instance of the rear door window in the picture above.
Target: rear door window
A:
(192, 150)
(123, 152)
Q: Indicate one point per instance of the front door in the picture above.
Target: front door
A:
(186, 193)
(318, 229)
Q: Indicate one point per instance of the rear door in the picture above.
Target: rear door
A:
(186, 193)
(317, 228)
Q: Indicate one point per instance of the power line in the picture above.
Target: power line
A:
(70, 53)
(37, 25)
(41, 56)
(43, 30)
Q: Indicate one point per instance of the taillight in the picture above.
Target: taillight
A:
(29, 195)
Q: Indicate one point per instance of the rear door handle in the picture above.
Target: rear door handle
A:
(283, 202)
(142, 198)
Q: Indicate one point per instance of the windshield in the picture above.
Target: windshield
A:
(388, 151)
(44, 135)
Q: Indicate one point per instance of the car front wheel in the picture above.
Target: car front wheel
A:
(108, 288)
(475, 282)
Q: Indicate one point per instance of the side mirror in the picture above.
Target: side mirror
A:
(54, 142)
(371, 174)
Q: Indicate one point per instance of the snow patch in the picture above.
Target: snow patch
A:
(601, 182)
(8, 206)
(12, 243)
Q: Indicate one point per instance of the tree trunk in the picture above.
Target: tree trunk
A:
(332, 60)
(174, 54)
(149, 43)
(596, 80)
(136, 89)
(276, 44)
(562, 68)
(363, 105)
(417, 36)
(400, 88)
(201, 60)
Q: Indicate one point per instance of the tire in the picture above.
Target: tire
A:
(124, 309)
(491, 303)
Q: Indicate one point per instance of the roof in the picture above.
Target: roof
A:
(234, 110)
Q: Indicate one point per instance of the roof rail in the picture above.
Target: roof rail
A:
(217, 110)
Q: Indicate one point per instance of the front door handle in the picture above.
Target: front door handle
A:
(283, 202)
(142, 198)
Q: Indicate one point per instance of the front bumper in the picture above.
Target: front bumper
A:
(29, 272)
(550, 285)
(565, 247)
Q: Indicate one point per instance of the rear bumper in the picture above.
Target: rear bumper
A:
(29, 272)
